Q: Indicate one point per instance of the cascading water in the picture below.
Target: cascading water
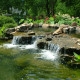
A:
(50, 52)
(22, 42)
(15, 40)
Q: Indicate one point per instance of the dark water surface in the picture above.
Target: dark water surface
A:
(16, 64)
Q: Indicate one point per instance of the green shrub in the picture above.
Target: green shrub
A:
(21, 21)
(5, 19)
(76, 57)
(6, 22)
(9, 25)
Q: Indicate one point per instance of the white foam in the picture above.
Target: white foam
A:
(10, 46)
(48, 55)
(29, 46)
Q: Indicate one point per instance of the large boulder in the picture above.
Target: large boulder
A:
(21, 28)
(24, 27)
(60, 29)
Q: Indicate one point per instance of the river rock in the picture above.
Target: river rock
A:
(31, 33)
(21, 28)
(58, 31)
(78, 30)
(72, 29)
(45, 26)
(10, 30)
(78, 42)
(48, 39)
(66, 30)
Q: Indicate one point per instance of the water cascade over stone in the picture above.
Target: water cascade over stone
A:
(23, 40)
(50, 51)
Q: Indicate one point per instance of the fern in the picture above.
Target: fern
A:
(76, 57)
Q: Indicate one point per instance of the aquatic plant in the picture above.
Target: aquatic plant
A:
(76, 57)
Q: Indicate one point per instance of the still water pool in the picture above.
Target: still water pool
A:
(31, 64)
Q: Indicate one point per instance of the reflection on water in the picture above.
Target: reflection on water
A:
(16, 64)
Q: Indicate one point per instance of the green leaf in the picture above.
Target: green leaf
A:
(76, 56)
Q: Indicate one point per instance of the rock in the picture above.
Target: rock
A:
(66, 30)
(74, 24)
(36, 25)
(24, 27)
(58, 31)
(51, 25)
(48, 39)
(8, 35)
(21, 28)
(41, 45)
(24, 40)
(45, 26)
(29, 26)
(78, 30)
(72, 29)
(10, 30)
(41, 36)
(78, 42)
(31, 33)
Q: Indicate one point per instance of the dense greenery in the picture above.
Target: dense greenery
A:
(38, 11)
(6, 22)
(41, 7)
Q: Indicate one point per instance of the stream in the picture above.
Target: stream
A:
(23, 60)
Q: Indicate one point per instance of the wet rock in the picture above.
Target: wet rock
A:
(72, 29)
(23, 40)
(41, 36)
(8, 36)
(66, 30)
(31, 33)
(45, 26)
(41, 45)
(48, 39)
(10, 30)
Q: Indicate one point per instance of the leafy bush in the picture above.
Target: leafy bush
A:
(21, 21)
(5, 19)
(6, 22)
(51, 20)
(76, 57)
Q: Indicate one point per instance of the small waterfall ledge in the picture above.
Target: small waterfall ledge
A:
(49, 49)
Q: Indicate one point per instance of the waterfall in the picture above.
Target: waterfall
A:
(16, 40)
(53, 47)
(23, 40)
(50, 52)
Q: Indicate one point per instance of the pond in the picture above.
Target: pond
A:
(26, 62)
